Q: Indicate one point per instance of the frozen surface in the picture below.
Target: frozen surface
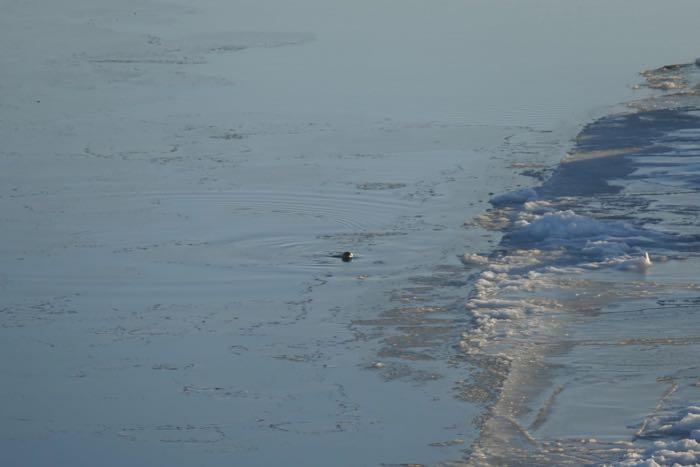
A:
(176, 178)
(589, 308)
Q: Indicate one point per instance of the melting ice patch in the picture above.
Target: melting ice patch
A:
(570, 230)
(546, 265)
(685, 450)
(543, 269)
(487, 311)
(472, 259)
(547, 246)
(514, 197)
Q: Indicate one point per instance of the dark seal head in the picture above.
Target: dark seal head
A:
(347, 256)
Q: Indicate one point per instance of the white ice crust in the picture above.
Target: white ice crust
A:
(514, 197)
(681, 446)
(548, 245)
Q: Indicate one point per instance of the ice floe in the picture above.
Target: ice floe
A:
(684, 426)
(575, 247)
(566, 228)
(514, 197)
(471, 259)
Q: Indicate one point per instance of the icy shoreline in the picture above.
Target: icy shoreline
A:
(566, 255)
(176, 177)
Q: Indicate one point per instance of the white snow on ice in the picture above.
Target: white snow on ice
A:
(685, 425)
(514, 197)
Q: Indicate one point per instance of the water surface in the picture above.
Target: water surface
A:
(176, 176)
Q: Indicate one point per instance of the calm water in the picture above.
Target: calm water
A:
(176, 176)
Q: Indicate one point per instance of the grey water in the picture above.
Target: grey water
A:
(175, 178)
